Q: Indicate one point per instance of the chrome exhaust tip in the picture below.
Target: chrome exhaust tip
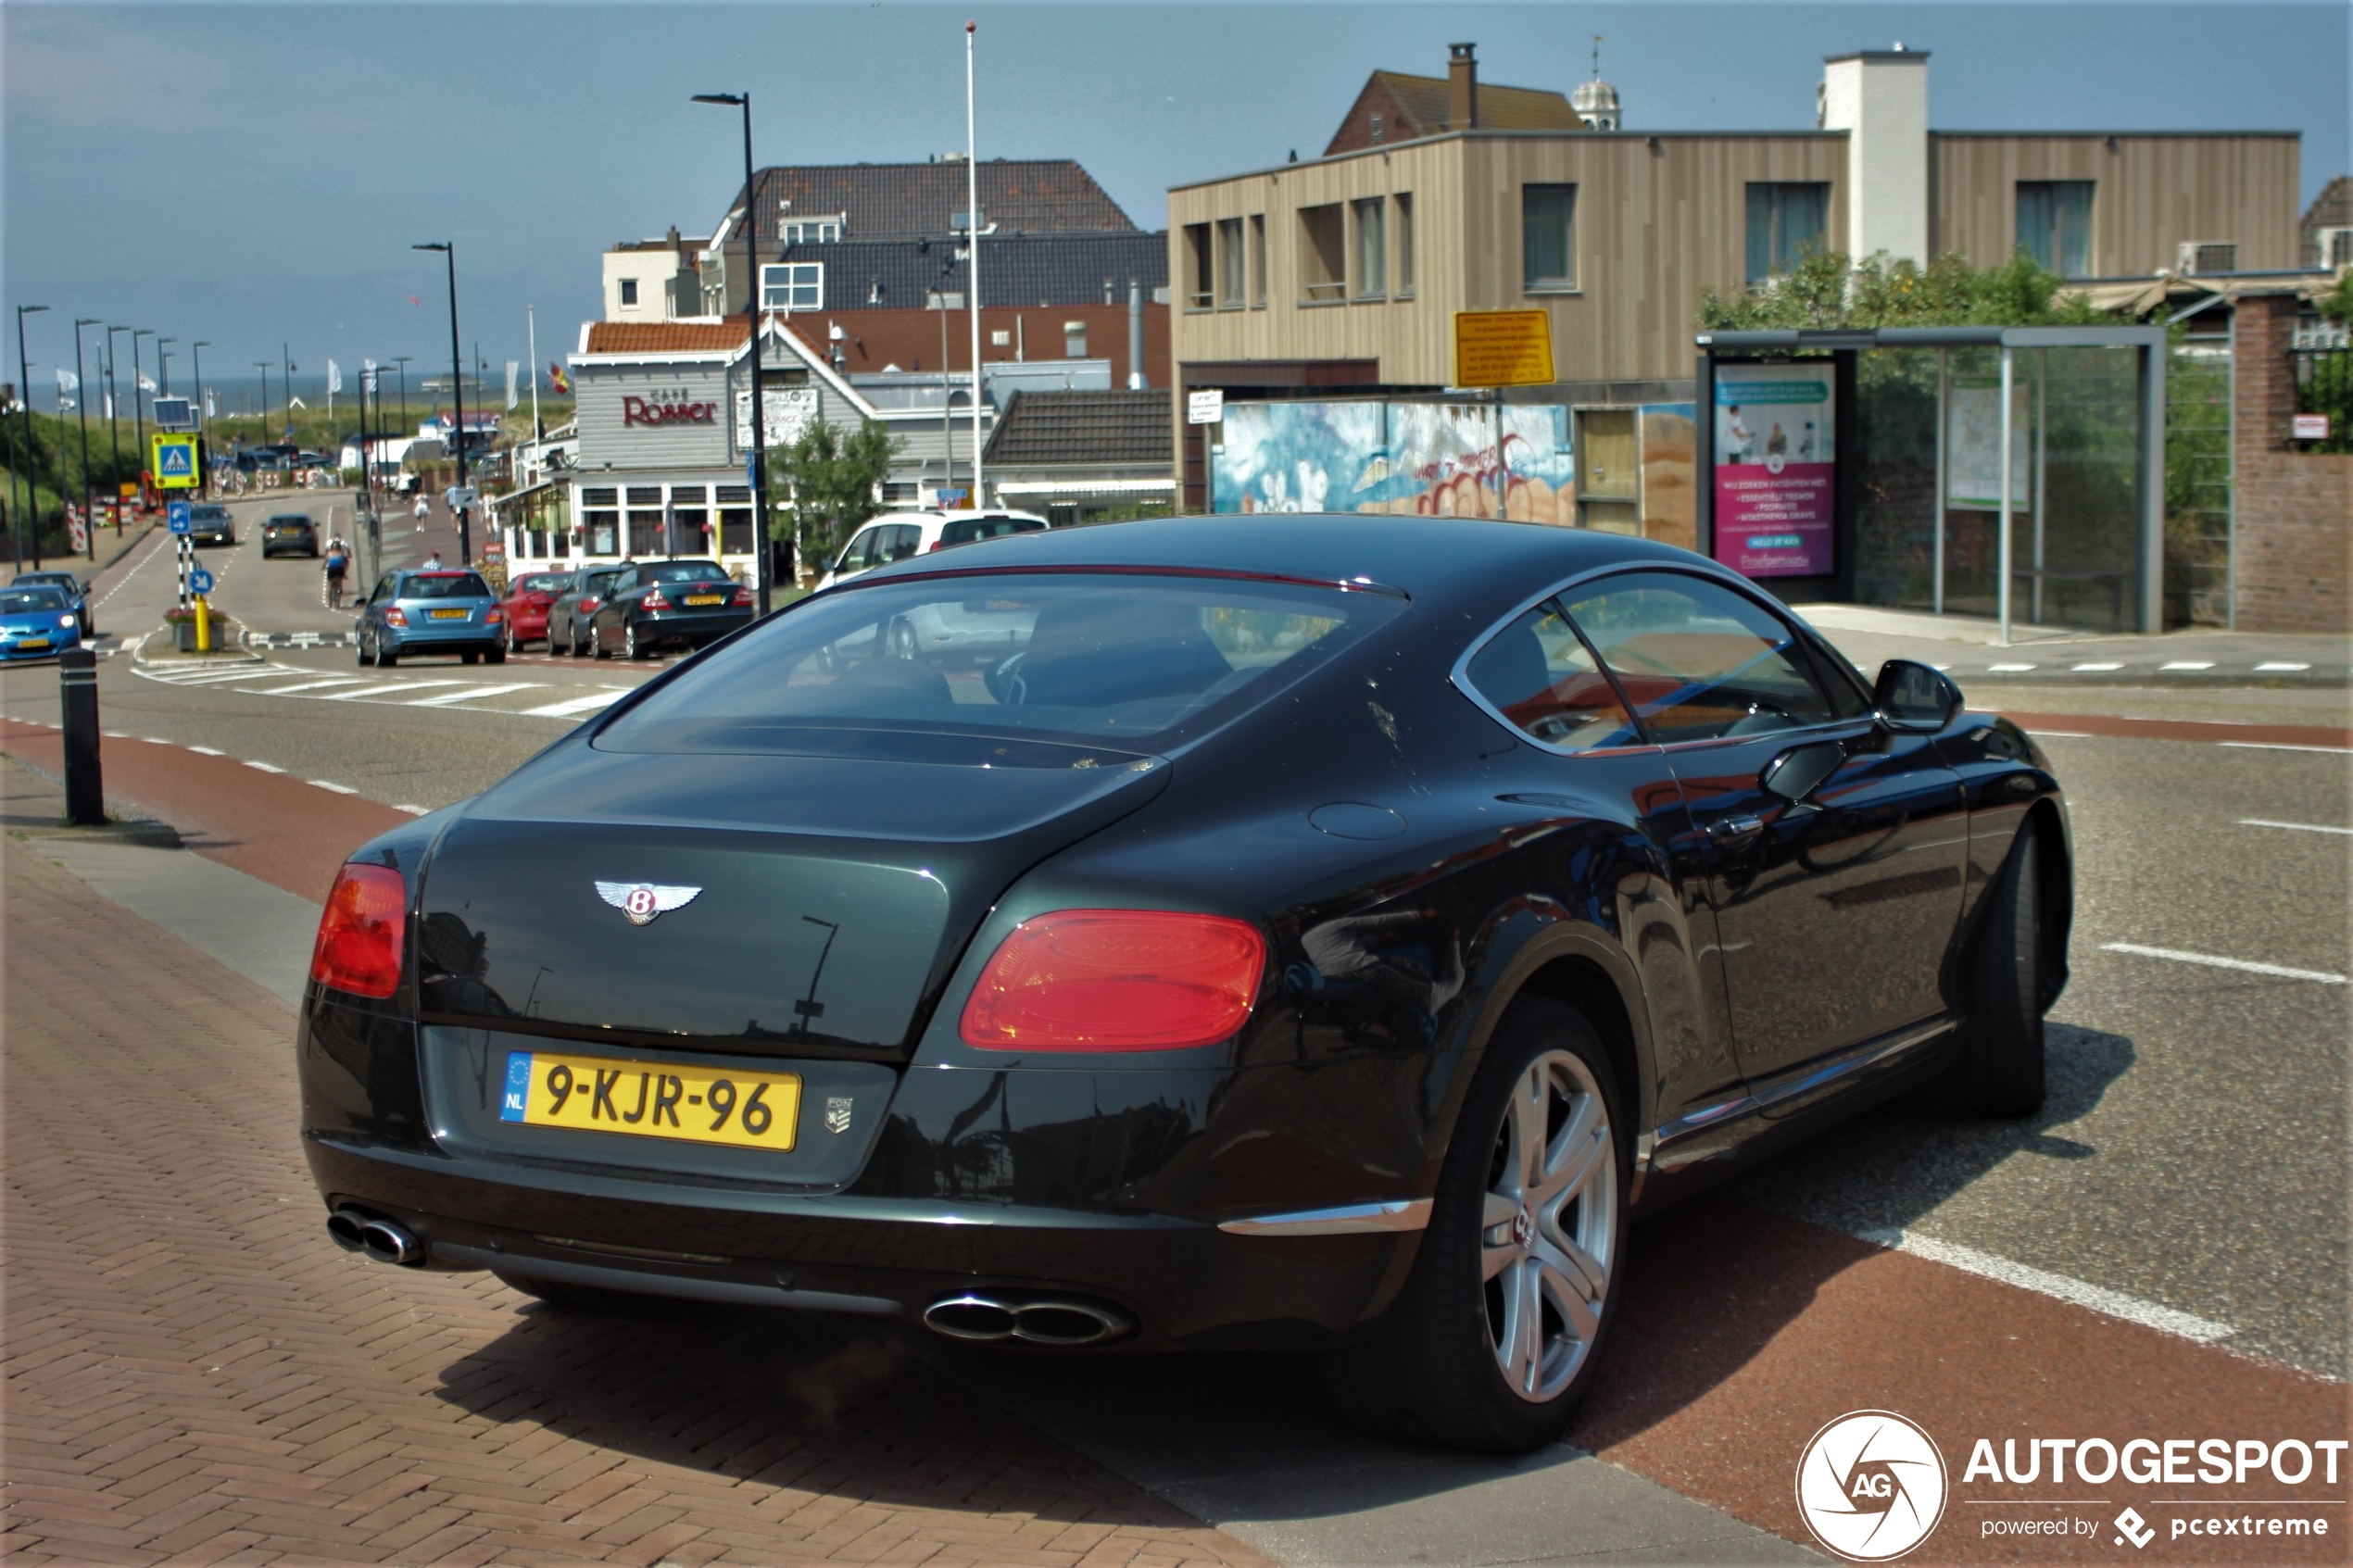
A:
(390, 1243)
(1060, 1322)
(344, 1227)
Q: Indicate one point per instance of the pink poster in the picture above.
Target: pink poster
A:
(1775, 470)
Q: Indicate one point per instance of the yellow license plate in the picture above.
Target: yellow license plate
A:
(447, 614)
(706, 599)
(33, 642)
(652, 1099)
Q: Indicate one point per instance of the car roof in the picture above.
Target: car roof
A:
(37, 578)
(1424, 556)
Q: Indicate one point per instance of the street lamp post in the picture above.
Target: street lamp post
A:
(113, 427)
(402, 360)
(972, 242)
(81, 408)
(448, 249)
(195, 354)
(163, 366)
(761, 549)
(138, 403)
(261, 421)
(24, 395)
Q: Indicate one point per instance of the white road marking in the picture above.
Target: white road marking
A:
(222, 677)
(2282, 746)
(2009, 669)
(2099, 1299)
(384, 691)
(575, 705)
(264, 767)
(2284, 665)
(151, 740)
(313, 685)
(469, 694)
(339, 789)
(2063, 734)
(2296, 827)
(114, 735)
(413, 810)
(207, 751)
(2188, 664)
(2177, 956)
(2081, 667)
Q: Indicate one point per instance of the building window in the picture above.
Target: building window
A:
(1323, 257)
(602, 527)
(628, 291)
(1231, 262)
(645, 495)
(1074, 340)
(1198, 295)
(2055, 224)
(1372, 247)
(645, 534)
(594, 498)
(1404, 244)
(1784, 221)
(1258, 259)
(810, 231)
(1377, 127)
(1548, 236)
(793, 285)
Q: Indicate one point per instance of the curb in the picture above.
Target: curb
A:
(123, 829)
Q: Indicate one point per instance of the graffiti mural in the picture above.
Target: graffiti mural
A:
(1441, 460)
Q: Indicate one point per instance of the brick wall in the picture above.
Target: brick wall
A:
(2294, 508)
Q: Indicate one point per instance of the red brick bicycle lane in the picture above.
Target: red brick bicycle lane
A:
(273, 827)
(1745, 1333)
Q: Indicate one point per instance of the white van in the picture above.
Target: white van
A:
(904, 536)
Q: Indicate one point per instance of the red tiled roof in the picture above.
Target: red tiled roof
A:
(667, 337)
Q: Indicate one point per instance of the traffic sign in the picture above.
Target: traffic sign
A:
(1206, 408)
(200, 581)
(1502, 348)
(176, 461)
(179, 517)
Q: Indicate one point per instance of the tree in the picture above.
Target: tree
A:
(1831, 289)
(2337, 304)
(830, 482)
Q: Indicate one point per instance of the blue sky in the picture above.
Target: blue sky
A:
(256, 174)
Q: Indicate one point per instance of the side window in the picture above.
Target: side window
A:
(624, 583)
(1698, 659)
(854, 558)
(383, 590)
(1538, 675)
(905, 538)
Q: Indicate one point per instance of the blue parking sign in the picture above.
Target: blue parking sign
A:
(200, 581)
(179, 517)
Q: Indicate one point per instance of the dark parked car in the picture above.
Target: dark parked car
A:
(445, 610)
(667, 604)
(289, 533)
(568, 612)
(1323, 932)
(208, 524)
(77, 597)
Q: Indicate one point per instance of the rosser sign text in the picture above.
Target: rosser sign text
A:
(644, 412)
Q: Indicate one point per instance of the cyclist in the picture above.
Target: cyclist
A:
(338, 563)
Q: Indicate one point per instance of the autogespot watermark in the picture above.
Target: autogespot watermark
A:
(1872, 1485)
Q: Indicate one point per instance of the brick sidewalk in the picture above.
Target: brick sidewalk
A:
(194, 1374)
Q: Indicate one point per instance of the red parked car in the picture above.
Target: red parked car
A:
(526, 605)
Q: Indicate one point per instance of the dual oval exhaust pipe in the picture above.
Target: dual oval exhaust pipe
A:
(386, 1240)
(989, 1318)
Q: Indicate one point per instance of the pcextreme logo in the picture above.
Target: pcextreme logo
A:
(1871, 1486)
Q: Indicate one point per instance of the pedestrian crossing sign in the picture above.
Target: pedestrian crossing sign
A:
(176, 461)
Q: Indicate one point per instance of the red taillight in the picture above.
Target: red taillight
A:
(1116, 980)
(494, 615)
(743, 599)
(359, 934)
(653, 600)
(588, 604)
(392, 617)
(933, 546)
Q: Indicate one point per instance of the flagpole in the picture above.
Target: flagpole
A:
(531, 317)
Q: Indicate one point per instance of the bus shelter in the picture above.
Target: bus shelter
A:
(2013, 473)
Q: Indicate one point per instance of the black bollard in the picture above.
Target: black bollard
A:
(78, 689)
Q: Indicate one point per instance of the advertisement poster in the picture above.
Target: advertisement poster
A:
(1431, 460)
(1775, 470)
(1973, 442)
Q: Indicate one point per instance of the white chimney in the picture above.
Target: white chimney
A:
(1880, 98)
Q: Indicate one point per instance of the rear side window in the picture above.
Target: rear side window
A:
(1544, 681)
(901, 542)
(965, 530)
(446, 585)
(1699, 660)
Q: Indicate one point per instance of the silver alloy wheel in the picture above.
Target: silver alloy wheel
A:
(1548, 1238)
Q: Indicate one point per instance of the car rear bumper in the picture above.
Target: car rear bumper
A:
(455, 633)
(701, 626)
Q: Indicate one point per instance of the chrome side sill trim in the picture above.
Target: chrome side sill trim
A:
(1355, 1219)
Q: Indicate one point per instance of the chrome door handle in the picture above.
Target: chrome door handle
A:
(1734, 833)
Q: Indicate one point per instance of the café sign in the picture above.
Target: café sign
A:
(667, 409)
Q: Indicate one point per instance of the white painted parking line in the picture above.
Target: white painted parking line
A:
(384, 691)
(2282, 746)
(573, 706)
(2082, 667)
(471, 693)
(264, 767)
(2177, 956)
(2115, 1303)
(2188, 664)
(2282, 665)
(2292, 827)
(2009, 669)
(339, 789)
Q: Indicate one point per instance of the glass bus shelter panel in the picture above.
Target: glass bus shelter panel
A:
(2081, 562)
(1972, 488)
(1894, 531)
(2197, 483)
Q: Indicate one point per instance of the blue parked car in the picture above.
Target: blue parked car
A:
(446, 611)
(36, 622)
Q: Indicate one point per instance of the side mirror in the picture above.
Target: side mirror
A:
(1916, 696)
(1802, 770)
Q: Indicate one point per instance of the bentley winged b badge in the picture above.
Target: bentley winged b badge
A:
(641, 901)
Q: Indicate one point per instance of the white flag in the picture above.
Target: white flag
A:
(335, 376)
(68, 381)
(210, 411)
(513, 369)
(111, 405)
(147, 381)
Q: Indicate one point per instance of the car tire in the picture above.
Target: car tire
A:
(1998, 1070)
(1498, 1328)
(631, 646)
(597, 641)
(367, 654)
(386, 658)
(573, 1298)
(555, 649)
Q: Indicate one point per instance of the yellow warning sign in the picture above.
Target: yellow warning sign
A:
(175, 462)
(1502, 348)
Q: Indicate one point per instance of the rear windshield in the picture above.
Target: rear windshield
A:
(289, 523)
(682, 571)
(1136, 662)
(543, 582)
(446, 585)
(15, 601)
(965, 530)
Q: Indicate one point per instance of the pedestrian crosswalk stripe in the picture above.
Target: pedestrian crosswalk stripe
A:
(312, 685)
(574, 706)
(469, 694)
(370, 691)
